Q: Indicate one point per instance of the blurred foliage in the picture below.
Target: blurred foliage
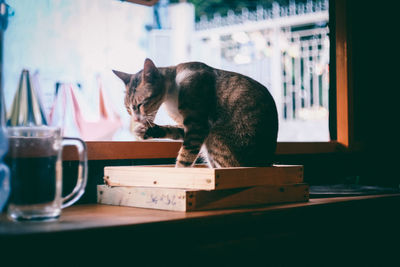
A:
(210, 7)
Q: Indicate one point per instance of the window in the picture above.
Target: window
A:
(72, 47)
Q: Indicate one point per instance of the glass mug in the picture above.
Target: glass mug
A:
(34, 159)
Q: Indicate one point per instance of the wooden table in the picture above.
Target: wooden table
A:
(278, 234)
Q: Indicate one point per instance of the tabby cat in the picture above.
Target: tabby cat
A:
(229, 117)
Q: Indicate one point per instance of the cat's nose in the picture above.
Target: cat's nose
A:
(136, 119)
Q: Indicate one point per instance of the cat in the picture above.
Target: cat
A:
(228, 117)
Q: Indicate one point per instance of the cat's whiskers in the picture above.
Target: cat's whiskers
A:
(149, 121)
(150, 117)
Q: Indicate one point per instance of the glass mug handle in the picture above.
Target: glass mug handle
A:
(82, 171)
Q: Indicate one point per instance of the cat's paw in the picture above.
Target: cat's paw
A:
(182, 164)
(147, 131)
(142, 131)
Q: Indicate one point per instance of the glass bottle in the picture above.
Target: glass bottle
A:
(4, 171)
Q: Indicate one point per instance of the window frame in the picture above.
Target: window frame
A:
(342, 117)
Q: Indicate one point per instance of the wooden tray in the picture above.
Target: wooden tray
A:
(202, 178)
(191, 200)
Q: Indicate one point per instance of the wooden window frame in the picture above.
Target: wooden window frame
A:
(109, 150)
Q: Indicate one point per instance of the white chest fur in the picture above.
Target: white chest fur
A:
(171, 105)
(171, 100)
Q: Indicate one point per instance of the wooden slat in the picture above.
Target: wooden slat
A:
(108, 150)
(188, 200)
(194, 178)
(103, 150)
(241, 197)
(245, 177)
(143, 197)
(202, 178)
(290, 148)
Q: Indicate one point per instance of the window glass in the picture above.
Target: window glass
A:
(70, 48)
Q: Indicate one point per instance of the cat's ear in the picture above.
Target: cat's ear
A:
(149, 70)
(125, 77)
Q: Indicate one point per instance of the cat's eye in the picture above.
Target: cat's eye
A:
(139, 105)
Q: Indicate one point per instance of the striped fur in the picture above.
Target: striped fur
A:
(229, 117)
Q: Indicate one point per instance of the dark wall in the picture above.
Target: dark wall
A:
(372, 48)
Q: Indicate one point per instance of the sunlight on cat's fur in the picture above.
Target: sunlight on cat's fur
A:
(230, 117)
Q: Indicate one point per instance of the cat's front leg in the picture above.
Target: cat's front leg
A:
(148, 131)
(186, 157)
(195, 134)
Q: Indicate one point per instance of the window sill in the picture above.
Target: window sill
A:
(365, 223)
(109, 150)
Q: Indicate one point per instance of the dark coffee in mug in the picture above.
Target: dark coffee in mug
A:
(34, 179)
(34, 160)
